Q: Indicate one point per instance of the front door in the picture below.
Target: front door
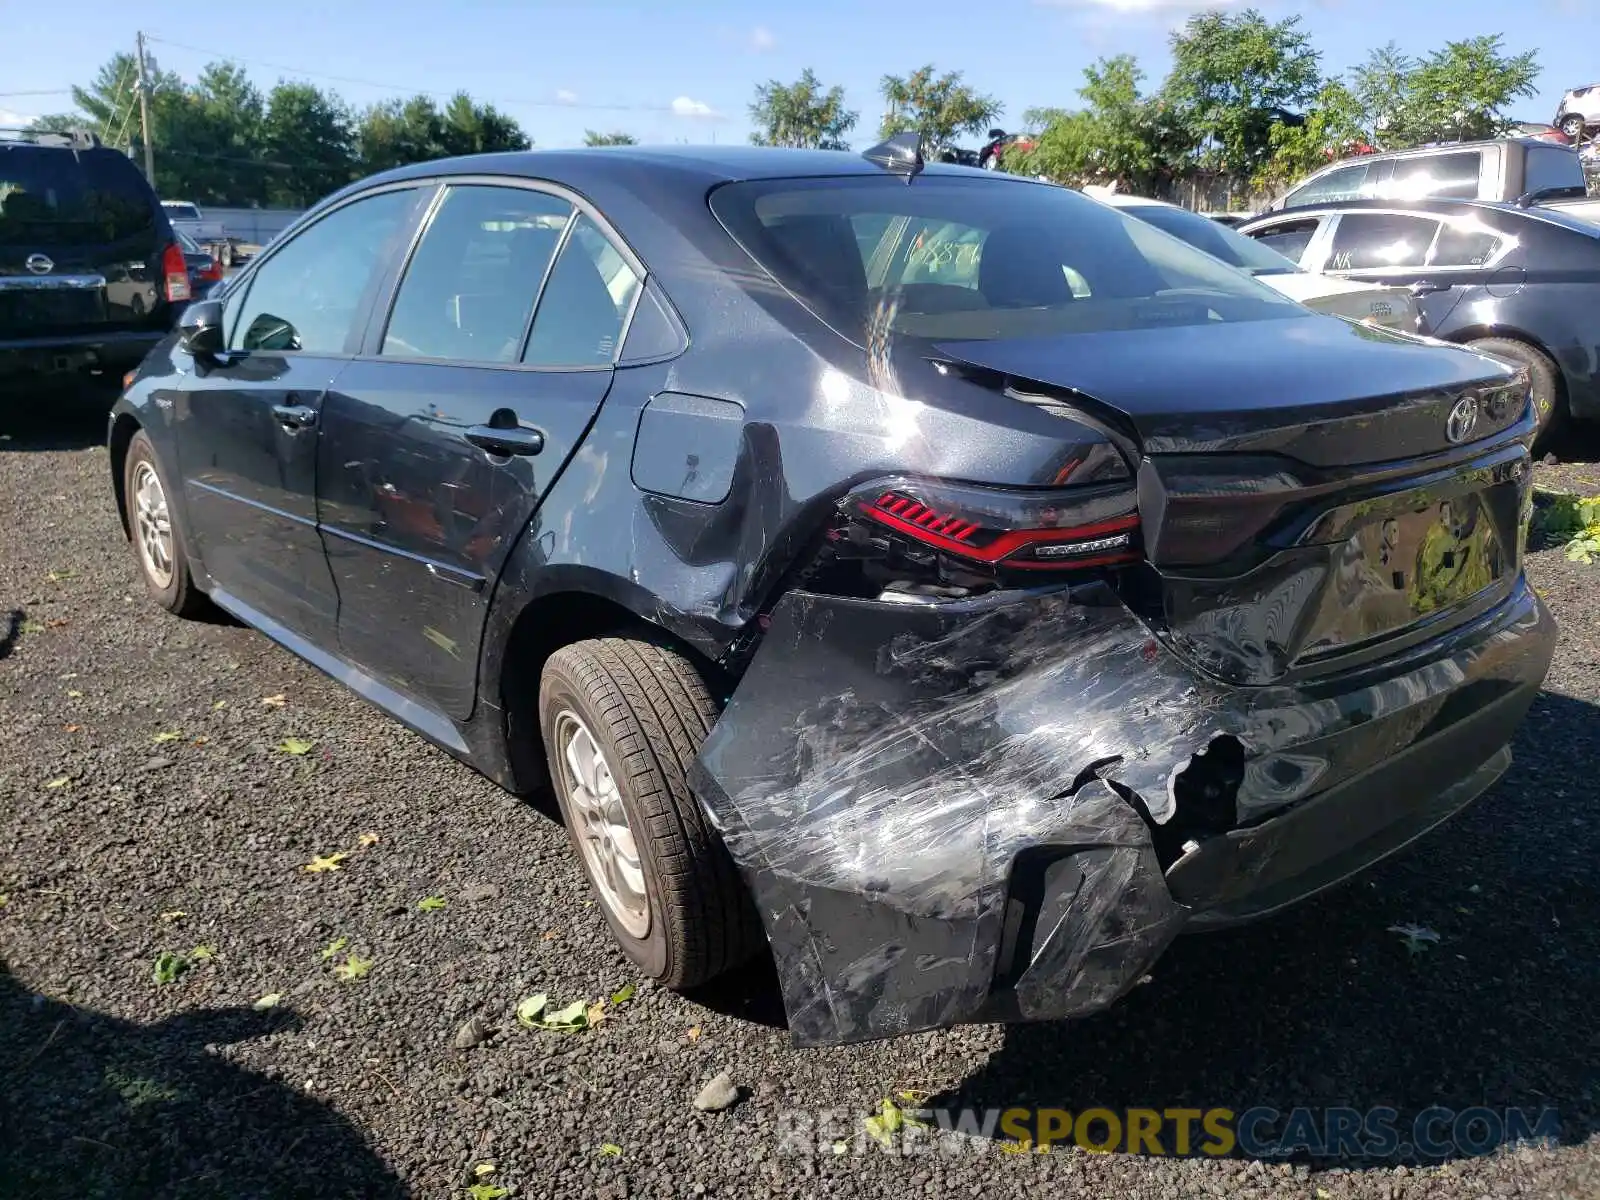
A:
(249, 419)
(439, 443)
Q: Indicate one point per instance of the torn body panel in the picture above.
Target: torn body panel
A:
(971, 811)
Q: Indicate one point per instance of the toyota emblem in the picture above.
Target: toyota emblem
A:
(1463, 419)
(39, 264)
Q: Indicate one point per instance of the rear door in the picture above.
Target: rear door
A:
(81, 239)
(249, 420)
(439, 441)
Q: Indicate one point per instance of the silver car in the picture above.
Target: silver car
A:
(1579, 111)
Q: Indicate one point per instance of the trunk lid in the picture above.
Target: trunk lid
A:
(81, 240)
(1313, 494)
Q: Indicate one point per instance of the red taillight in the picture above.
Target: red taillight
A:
(175, 274)
(213, 271)
(1051, 537)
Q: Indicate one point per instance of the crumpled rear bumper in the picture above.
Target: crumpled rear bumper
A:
(967, 812)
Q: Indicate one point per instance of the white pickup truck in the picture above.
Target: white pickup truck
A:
(184, 215)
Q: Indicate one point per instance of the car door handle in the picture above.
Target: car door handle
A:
(295, 416)
(518, 441)
(1429, 288)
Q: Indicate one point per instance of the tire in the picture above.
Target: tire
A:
(1573, 126)
(1548, 400)
(174, 589)
(647, 711)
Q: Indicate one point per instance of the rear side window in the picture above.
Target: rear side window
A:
(1377, 241)
(1465, 242)
(1451, 176)
(1216, 240)
(307, 296)
(585, 304)
(469, 290)
(993, 258)
(57, 197)
(1342, 183)
(1554, 167)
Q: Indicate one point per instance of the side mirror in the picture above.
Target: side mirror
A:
(200, 328)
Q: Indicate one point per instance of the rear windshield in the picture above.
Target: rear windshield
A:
(1216, 240)
(990, 258)
(181, 212)
(1554, 167)
(57, 197)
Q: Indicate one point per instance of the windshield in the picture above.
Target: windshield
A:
(190, 246)
(54, 197)
(1216, 240)
(181, 212)
(994, 258)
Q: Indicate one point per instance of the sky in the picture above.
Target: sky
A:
(687, 71)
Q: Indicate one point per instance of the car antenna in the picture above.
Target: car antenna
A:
(901, 154)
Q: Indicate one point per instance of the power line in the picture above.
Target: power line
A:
(412, 91)
(41, 92)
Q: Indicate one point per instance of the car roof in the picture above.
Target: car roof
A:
(694, 165)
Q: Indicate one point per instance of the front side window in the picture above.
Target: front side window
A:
(992, 259)
(1345, 183)
(1379, 241)
(1216, 240)
(308, 295)
(585, 304)
(471, 284)
(1291, 239)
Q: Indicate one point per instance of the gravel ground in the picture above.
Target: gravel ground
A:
(146, 807)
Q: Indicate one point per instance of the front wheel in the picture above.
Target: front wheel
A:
(1549, 404)
(1573, 126)
(159, 545)
(622, 721)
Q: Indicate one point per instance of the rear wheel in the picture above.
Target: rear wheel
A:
(1548, 401)
(622, 721)
(1572, 126)
(157, 533)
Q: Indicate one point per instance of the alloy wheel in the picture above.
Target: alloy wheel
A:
(154, 525)
(594, 804)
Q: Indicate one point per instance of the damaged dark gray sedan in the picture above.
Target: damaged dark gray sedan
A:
(933, 575)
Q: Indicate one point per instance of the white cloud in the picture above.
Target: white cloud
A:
(14, 120)
(566, 97)
(683, 106)
(762, 39)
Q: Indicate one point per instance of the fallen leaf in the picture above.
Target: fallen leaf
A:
(694, 1033)
(353, 967)
(170, 966)
(201, 953)
(270, 1000)
(326, 862)
(200, 741)
(572, 1016)
(56, 622)
(531, 1010)
(57, 783)
(483, 1169)
(549, 935)
(30, 627)
(623, 994)
(4, 899)
(173, 914)
(431, 903)
(219, 704)
(1417, 938)
(334, 947)
(841, 1147)
(487, 1191)
(72, 728)
(610, 1150)
(74, 695)
(367, 839)
(594, 1014)
(273, 701)
(58, 576)
(167, 735)
(295, 746)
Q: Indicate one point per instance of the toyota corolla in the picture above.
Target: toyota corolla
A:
(934, 576)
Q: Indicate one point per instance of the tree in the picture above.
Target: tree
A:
(1234, 77)
(397, 132)
(308, 141)
(468, 128)
(1333, 122)
(1381, 86)
(1462, 91)
(937, 107)
(615, 138)
(801, 114)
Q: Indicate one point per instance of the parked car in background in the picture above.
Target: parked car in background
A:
(1579, 111)
(205, 268)
(1521, 283)
(211, 235)
(91, 276)
(1526, 169)
(1539, 131)
(1376, 303)
(969, 624)
(1232, 219)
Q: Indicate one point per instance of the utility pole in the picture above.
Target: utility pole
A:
(144, 116)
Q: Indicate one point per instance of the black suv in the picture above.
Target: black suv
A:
(91, 277)
(947, 580)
